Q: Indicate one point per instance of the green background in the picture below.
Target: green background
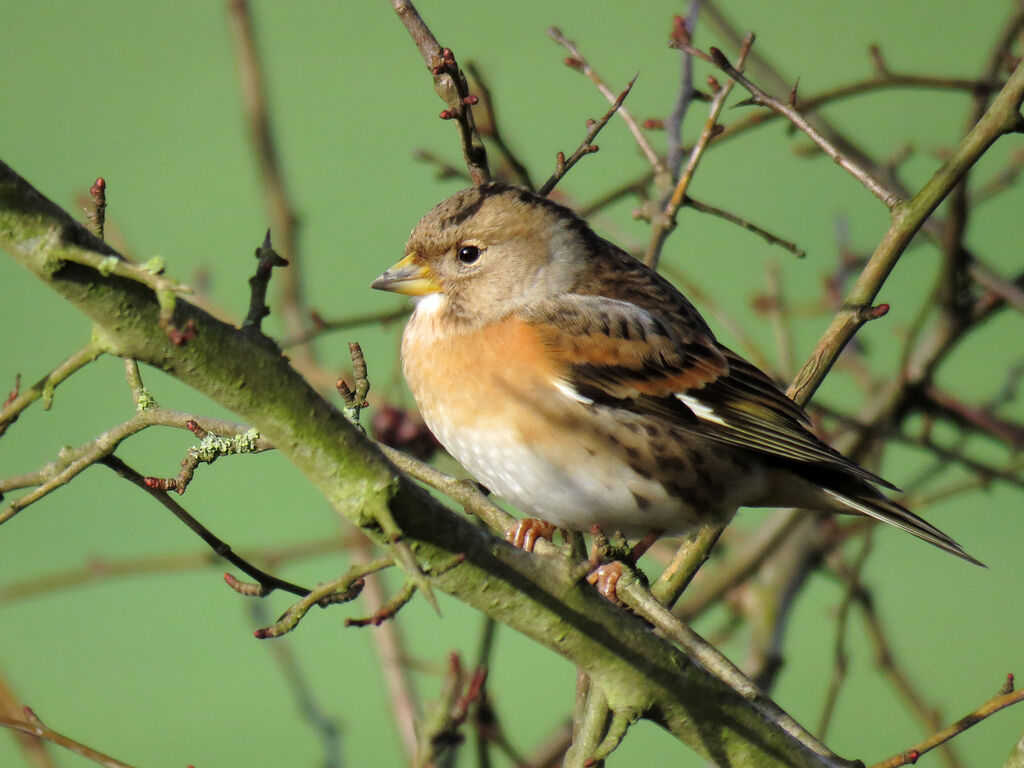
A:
(162, 670)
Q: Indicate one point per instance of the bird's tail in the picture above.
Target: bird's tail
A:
(872, 503)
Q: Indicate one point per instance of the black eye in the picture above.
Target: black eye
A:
(468, 254)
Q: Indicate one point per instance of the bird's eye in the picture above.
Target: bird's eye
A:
(469, 254)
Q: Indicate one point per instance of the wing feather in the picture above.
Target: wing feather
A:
(618, 355)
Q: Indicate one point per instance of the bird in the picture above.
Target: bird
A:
(582, 387)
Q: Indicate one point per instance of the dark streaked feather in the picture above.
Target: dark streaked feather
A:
(623, 356)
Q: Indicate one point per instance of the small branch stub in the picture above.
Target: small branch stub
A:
(268, 259)
(96, 211)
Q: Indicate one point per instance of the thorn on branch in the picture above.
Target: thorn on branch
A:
(267, 260)
(793, 92)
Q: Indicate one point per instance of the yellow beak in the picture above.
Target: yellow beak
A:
(407, 277)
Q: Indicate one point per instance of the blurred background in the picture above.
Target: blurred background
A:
(158, 666)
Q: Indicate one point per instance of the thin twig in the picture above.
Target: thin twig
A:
(760, 97)
(280, 210)
(577, 61)
(268, 582)
(851, 575)
(690, 556)
(450, 84)
(340, 590)
(267, 258)
(586, 146)
(1002, 117)
(73, 461)
(98, 569)
(809, 104)
(674, 122)
(986, 710)
(44, 388)
(322, 326)
(739, 221)
(34, 727)
(392, 653)
(634, 595)
(665, 222)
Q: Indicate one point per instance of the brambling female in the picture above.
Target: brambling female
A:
(582, 387)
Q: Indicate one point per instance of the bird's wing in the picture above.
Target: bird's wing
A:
(614, 354)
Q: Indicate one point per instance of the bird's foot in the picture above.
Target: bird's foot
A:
(608, 559)
(606, 579)
(525, 532)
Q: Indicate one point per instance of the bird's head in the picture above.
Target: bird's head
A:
(487, 251)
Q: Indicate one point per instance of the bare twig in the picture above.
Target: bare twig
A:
(340, 590)
(322, 326)
(1002, 116)
(450, 84)
(682, 28)
(445, 170)
(355, 399)
(268, 582)
(986, 710)
(18, 401)
(100, 569)
(72, 461)
(666, 221)
(739, 221)
(577, 61)
(283, 221)
(640, 600)
(33, 726)
(851, 575)
(760, 97)
(267, 259)
(392, 653)
(809, 104)
(210, 448)
(586, 146)
(690, 556)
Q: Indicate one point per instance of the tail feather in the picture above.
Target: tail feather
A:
(882, 508)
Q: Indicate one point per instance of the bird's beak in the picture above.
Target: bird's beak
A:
(408, 277)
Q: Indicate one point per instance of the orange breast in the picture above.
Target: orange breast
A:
(492, 377)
